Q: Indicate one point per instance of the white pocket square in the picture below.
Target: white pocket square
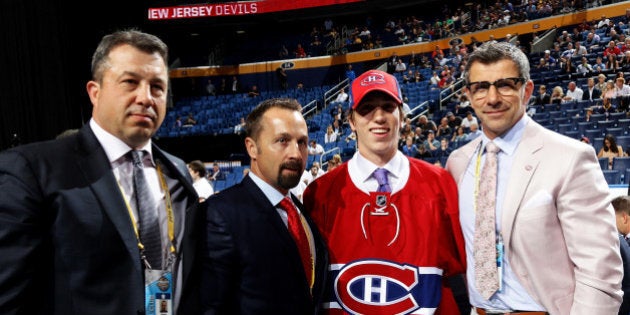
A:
(539, 199)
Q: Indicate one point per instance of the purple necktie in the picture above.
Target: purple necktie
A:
(381, 177)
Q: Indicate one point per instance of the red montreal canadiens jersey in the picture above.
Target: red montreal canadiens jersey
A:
(389, 253)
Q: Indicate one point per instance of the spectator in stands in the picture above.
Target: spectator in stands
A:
(315, 148)
(610, 149)
(444, 129)
(283, 53)
(239, 129)
(543, 65)
(601, 82)
(469, 120)
(409, 148)
(216, 174)
(625, 47)
(543, 98)
(210, 88)
(283, 78)
(444, 150)
(592, 40)
(431, 144)
(330, 136)
(621, 88)
(190, 120)
(253, 91)
(579, 49)
(334, 161)
(392, 61)
(474, 132)
(607, 107)
(459, 136)
(612, 65)
(557, 94)
(235, 86)
(341, 98)
(197, 171)
(350, 74)
(566, 66)
(609, 91)
(178, 122)
(592, 92)
(625, 61)
(603, 22)
(316, 48)
(338, 126)
(584, 68)
(401, 67)
(549, 60)
(611, 49)
(299, 51)
(435, 78)
(426, 124)
(568, 52)
(574, 93)
(223, 87)
(453, 121)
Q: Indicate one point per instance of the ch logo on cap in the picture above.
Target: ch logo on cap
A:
(373, 78)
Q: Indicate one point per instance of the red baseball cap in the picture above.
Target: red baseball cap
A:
(374, 80)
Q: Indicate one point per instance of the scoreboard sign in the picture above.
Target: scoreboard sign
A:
(238, 8)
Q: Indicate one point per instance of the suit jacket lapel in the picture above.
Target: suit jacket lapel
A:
(526, 160)
(271, 215)
(93, 164)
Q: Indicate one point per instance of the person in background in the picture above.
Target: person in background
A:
(621, 204)
(252, 264)
(69, 208)
(198, 173)
(610, 149)
(378, 229)
(549, 190)
(216, 174)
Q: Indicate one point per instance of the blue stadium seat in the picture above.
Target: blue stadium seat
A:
(621, 164)
(603, 163)
(593, 133)
(613, 177)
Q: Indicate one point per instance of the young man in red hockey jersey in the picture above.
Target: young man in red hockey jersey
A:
(392, 242)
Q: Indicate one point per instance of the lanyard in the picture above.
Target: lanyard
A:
(169, 213)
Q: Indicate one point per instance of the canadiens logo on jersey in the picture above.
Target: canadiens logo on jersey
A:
(378, 287)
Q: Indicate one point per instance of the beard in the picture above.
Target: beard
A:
(290, 181)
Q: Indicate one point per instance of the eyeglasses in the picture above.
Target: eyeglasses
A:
(505, 87)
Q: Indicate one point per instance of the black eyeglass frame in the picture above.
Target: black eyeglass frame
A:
(515, 82)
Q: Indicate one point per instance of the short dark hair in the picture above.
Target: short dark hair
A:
(143, 41)
(253, 126)
(493, 51)
(621, 204)
(199, 167)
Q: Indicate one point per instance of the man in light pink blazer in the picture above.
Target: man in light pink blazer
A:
(554, 220)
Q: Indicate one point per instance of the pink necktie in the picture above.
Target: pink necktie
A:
(299, 235)
(485, 250)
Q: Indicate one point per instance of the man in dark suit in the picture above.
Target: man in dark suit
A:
(251, 263)
(622, 214)
(71, 237)
(591, 92)
(543, 98)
